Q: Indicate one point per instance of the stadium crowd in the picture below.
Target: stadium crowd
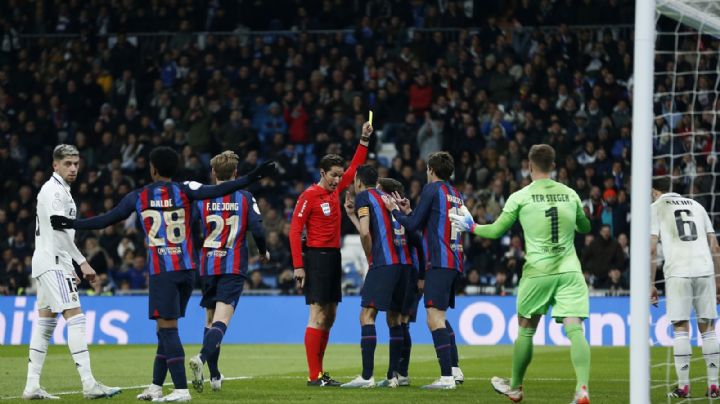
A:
(485, 90)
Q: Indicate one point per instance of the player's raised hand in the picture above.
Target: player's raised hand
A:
(403, 203)
(61, 222)
(88, 272)
(265, 169)
(389, 202)
(367, 130)
(654, 296)
(349, 206)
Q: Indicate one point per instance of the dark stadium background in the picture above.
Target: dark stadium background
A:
(293, 80)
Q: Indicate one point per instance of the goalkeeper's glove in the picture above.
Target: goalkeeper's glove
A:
(61, 222)
(464, 222)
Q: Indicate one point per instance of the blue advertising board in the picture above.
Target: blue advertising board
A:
(481, 320)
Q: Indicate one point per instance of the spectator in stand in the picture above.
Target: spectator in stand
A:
(603, 255)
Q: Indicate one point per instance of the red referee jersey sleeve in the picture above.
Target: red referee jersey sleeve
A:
(297, 224)
(349, 175)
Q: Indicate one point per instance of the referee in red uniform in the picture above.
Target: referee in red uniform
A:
(318, 212)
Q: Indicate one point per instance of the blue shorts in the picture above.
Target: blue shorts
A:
(412, 296)
(384, 287)
(170, 293)
(225, 288)
(440, 288)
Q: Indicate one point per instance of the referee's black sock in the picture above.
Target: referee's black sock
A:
(396, 345)
(453, 348)
(442, 349)
(368, 342)
(175, 356)
(160, 365)
(404, 362)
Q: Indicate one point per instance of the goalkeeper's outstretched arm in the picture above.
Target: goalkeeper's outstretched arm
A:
(493, 231)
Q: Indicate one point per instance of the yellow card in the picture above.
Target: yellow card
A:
(370, 118)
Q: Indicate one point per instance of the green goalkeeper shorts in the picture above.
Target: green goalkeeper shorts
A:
(567, 293)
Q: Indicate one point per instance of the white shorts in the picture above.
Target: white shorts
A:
(56, 291)
(684, 294)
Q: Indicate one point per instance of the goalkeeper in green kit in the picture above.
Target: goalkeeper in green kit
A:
(549, 213)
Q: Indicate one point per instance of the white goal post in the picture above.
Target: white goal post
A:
(700, 15)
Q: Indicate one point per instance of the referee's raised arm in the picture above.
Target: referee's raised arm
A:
(319, 273)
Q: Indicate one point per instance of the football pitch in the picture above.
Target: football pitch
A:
(276, 373)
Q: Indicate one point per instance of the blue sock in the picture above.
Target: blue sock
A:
(453, 348)
(404, 362)
(160, 365)
(212, 340)
(212, 361)
(396, 345)
(175, 356)
(368, 342)
(441, 339)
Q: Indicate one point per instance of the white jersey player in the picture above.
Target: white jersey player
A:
(56, 280)
(692, 263)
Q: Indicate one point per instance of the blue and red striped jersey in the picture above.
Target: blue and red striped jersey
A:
(164, 214)
(225, 221)
(441, 242)
(389, 244)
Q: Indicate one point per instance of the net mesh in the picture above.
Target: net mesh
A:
(685, 149)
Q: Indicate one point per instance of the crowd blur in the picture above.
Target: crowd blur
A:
(485, 90)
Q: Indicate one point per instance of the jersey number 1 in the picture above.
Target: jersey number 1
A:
(680, 224)
(552, 213)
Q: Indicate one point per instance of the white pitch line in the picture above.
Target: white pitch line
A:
(658, 365)
(656, 386)
(140, 386)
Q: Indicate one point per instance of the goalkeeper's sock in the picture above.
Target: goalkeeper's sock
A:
(160, 364)
(396, 346)
(77, 343)
(175, 356)
(212, 340)
(312, 352)
(212, 361)
(453, 348)
(39, 342)
(368, 342)
(441, 339)
(711, 353)
(404, 362)
(522, 355)
(682, 352)
(579, 355)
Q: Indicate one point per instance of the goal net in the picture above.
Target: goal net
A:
(686, 103)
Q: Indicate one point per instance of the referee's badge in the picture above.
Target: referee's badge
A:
(325, 208)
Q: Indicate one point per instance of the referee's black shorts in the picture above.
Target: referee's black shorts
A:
(323, 276)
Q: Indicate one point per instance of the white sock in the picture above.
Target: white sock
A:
(78, 348)
(682, 352)
(711, 353)
(39, 342)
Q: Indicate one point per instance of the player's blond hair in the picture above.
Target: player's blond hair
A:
(224, 165)
(64, 150)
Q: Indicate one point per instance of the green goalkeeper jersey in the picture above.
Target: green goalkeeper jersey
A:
(549, 213)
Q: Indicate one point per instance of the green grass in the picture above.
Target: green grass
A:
(276, 373)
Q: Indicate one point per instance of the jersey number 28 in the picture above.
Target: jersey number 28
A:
(174, 226)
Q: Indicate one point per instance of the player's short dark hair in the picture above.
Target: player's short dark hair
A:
(165, 160)
(543, 157)
(367, 175)
(390, 185)
(442, 164)
(331, 160)
(661, 184)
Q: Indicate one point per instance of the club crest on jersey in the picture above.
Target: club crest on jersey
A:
(325, 208)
